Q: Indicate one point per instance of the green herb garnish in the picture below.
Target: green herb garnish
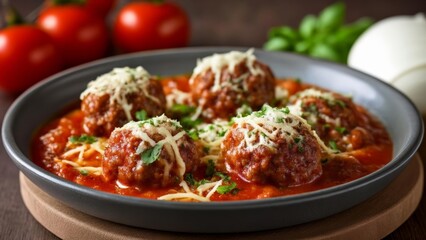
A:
(341, 130)
(151, 155)
(285, 110)
(193, 133)
(141, 115)
(224, 189)
(182, 109)
(188, 123)
(82, 139)
(210, 170)
(84, 172)
(333, 145)
(324, 36)
(189, 178)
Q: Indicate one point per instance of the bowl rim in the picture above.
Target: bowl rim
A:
(28, 167)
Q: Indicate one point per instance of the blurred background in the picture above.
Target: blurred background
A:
(246, 22)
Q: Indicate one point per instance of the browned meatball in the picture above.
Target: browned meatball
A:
(334, 118)
(113, 99)
(54, 142)
(156, 152)
(222, 83)
(272, 146)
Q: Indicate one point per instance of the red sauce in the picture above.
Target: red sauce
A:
(370, 158)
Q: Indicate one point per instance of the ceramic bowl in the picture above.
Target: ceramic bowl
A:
(40, 103)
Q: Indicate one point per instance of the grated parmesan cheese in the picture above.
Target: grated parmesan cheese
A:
(210, 137)
(118, 84)
(217, 62)
(158, 125)
(270, 124)
(189, 195)
(296, 108)
(77, 156)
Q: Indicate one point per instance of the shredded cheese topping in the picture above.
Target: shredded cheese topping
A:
(217, 62)
(77, 156)
(296, 108)
(158, 125)
(177, 97)
(118, 84)
(270, 124)
(211, 187)
(210, 136)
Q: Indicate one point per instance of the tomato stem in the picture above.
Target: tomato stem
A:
(65, 2)
(11, 15)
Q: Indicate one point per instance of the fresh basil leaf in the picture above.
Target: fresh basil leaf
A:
(308, 26)
(303, 46)
(277, 44)
(332, 17)
(325, 51)
(151, 155)
(284, 32)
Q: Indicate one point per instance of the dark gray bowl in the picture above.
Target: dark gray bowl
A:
(41, 102)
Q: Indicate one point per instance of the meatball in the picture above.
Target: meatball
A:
(113, 99)
(335, 118)
(156, 152)
(273, 146)
(221, 83)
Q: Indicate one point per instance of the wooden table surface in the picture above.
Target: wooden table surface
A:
(209, 19)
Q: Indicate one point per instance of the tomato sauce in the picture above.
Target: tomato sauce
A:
(367, 159)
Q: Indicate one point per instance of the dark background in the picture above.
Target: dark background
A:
(214, 22)
(246, 22)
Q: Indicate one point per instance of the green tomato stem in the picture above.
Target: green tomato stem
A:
(11, 15)
(65, 2)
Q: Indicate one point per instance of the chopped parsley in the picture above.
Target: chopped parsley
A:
(211, 173)
(182, 109)
(337, 102)
(341, 130)
(84, 172)
(141, 115)
(285, 110)
(151, 155)
(189, 178)
(333, 145)
(210, 170)
(244, 110)
(231, 188)
(193, 133)
(262, 112)
(82, 139)
(188, 123)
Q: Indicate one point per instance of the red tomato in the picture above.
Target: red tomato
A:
(103, 7)
(147, 25)
(27, 55)
(80, 35)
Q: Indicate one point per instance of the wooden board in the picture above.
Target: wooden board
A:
(373, 219)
